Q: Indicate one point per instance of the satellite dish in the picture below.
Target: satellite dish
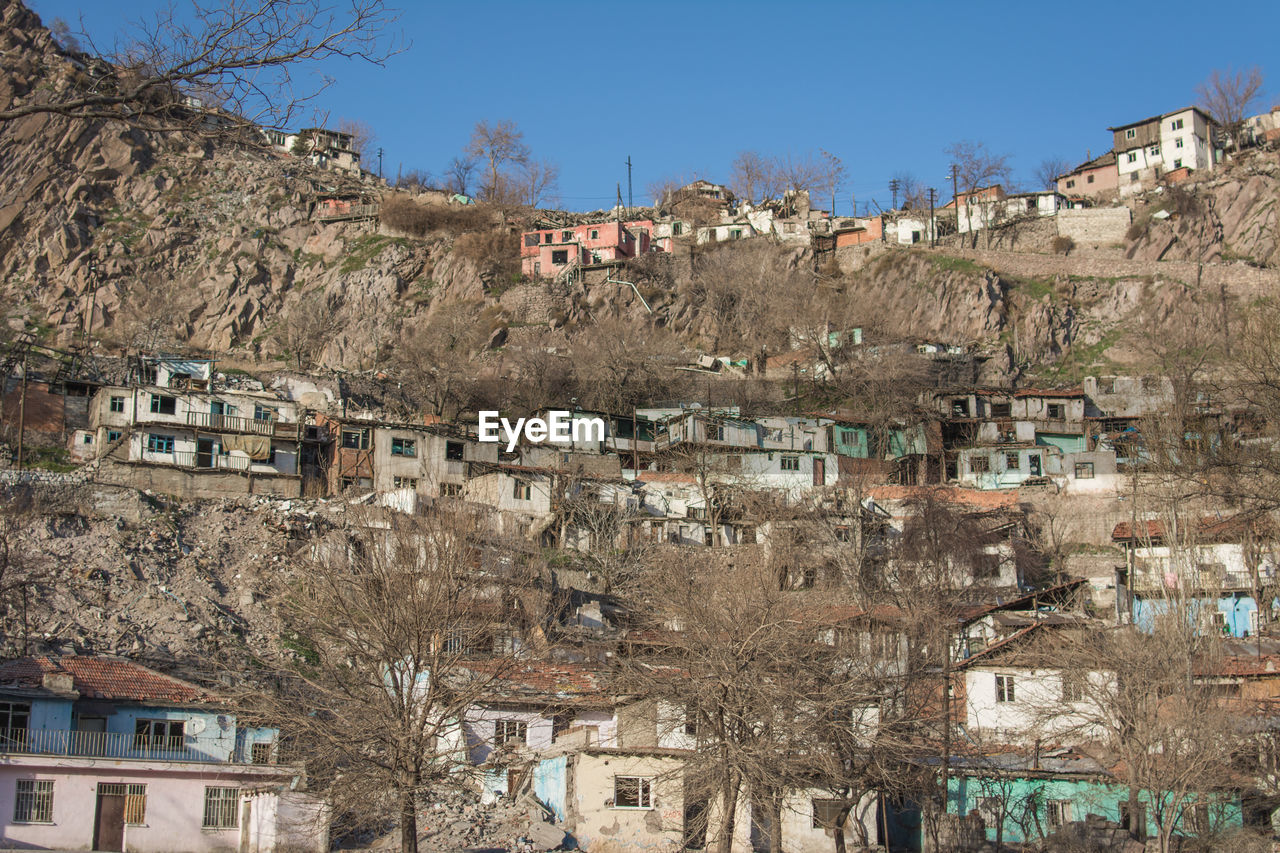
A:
(196, 725)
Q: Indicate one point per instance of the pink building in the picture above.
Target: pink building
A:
(100, 753)
(548, 252)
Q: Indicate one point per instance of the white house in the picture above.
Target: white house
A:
(1146, 149)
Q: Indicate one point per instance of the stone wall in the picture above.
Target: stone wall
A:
(1095, 226)
(1239, 278)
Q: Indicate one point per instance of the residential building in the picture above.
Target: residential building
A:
(328, 149)
(1146, 149)
(1096, 178)
(101, 753)
(550, 252)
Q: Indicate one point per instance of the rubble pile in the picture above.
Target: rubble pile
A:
(461, 820)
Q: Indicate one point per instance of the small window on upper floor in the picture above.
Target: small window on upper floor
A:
(1070, 184)
(595, 235)
(404, 447)
(1176, 124)
(454, 450)
(1130, 133)
(1057, 411)
(117, 404)
(1089, 179)
(162, 404)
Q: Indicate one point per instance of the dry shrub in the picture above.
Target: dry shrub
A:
(1063, 245)
(409, 217)
(495, 253)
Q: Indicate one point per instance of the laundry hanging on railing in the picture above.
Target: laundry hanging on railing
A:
(258, 447)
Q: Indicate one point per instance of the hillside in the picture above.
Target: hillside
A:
(174, 241)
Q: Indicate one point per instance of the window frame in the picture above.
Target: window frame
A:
(643, 792)
(1082, 467)
(164, 404)
(979, 464)
(115, 404)
(404, 447)
(160, 443)
(788, 463)
(455, 451)
(1006, 692)
(505, 731)
(38, 796)
(222, 804)
(1056, 411)
(361, 439)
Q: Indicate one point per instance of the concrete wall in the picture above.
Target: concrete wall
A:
(203, 484)
(1037, 710)
(601, 828)
(1095, 225)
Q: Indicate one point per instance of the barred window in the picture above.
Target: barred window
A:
(505, 731)
(262, 753)
(135, 800)
(33, 802)
(221, 808)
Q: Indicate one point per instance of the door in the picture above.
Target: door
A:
(108, 827)
(216, 410)
(204, 452)
(1033, 464)
(92, 736)
(819, 472)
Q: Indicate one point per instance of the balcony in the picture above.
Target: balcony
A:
(234, 423)
(127, 747)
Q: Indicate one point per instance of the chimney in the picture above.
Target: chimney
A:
(60, 681)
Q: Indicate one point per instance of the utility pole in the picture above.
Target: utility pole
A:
(630, 201)
(22, 409)
(933, 223)
(894, 184)
(955, 193)
(379, 161)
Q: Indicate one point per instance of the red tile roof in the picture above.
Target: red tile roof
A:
(1208, 530)
(104, 678)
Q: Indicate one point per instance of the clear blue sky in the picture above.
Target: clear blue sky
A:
(681, 87)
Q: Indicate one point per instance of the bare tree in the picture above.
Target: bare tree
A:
(498, 145)
(305, 331)
(458, 175)
(539, 181)
(362, 135)
(1047, 173)
(913, 192)
(434, 359)
(977, 168)
(155, 312)
(1228, 95)
(753, 177)
(241, 60)
(389, 625)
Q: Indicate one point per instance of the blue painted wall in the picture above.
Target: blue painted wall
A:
(1236, 610)
(549, 784)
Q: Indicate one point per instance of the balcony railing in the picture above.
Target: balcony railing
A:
(116, 745)
(235, 423)
(211, 461)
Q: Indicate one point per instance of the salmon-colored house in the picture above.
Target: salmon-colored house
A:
(548, 252)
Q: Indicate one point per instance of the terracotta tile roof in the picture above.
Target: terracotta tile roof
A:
(1049, 392)
(541, 681)
(104, 678)
(976, 498)
(1209, 529)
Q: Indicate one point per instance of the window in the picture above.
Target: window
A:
(262, 753)
(88, 438)
(14, 719)
(991, 809)
(404, 482)
(1057, 411)
(566, 236)
(1002, 410)
(789, 463)
(1130, 133)
(263, 413)
(521, 490)
(960, 408)
(159, 443)
(1176, 124)
(531, 239)
(548, 237)
(1177, 143)
(1089, 179)
(826, 812)
(1084, 470)
(595, 235)
(632, 792)
(158, 734)
(715, 433)
(1058, 812)
(113, 435)
(33, 801)
(162, 404)
(355, 439)
(1177, 164)
(450, 490)
(1070, 184)
(1012, 462)
(221, 808)
(1004, 688)
(979, 464)
(404, 447)
(735, 234)
(560, 257)
(135, 800)
(453, 450)
(1072, 687)
(505, 731)
(1132, 157)
(677, 228)
(1155, 150)
(117, 404)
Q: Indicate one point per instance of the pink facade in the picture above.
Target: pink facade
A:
(169, 815)
(545, 253)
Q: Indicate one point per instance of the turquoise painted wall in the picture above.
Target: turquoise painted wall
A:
(1087, 796)
(549, 784)
(1067, 443)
